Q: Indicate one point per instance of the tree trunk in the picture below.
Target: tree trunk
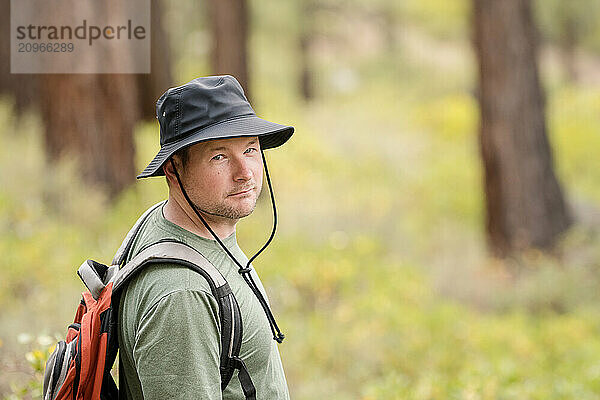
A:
(524, 202)
(21, 87)
(305, 41)
(229, 27)
(91, 117)
(153, 85)
(87, 116)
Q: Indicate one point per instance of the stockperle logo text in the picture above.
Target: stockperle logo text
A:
(84, 31)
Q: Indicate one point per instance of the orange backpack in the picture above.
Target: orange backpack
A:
(80, 366)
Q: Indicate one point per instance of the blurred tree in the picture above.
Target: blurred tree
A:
(524, 202)
(152, 85)
(92, 116)
(306, 37)
(21, 87)
(229, 27)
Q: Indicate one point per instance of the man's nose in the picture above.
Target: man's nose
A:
(242, 172)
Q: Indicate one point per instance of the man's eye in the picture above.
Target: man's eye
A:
(250, 150)
(218, 157)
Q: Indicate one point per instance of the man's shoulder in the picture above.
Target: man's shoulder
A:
(161, 279)
(154, 282)
(157, 281)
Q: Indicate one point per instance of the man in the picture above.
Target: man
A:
(169, 328)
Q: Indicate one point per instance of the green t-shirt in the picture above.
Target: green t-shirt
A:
(169, 329)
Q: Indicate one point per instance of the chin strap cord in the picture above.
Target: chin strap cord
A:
(245, 271)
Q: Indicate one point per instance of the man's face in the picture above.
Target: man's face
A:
(223, 177)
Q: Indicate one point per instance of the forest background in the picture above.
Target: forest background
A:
(381, 274)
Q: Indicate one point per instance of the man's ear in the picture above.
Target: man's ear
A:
(170, 172)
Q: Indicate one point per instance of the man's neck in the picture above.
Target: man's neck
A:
(179, 212)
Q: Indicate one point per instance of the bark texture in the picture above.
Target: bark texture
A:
(91, 117)
(229, 28)
(21, 87)
(524, 202)
(305, 43)
(152, 86)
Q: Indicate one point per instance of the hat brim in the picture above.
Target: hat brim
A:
(270, 135)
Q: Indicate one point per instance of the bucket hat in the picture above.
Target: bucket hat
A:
(208, 108)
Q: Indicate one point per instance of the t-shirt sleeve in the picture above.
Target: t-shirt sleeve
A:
(177, 347)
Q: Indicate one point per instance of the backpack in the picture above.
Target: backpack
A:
(80, 366)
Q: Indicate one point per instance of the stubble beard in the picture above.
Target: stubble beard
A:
(225, 210)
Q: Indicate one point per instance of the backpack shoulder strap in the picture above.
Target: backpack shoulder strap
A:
(229, 312)
(125, 247)
(167, 251)
(96, 276)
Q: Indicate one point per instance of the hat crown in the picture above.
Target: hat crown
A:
(202, 102)
(209, 108)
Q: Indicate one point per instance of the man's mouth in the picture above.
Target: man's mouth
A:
(242, 193)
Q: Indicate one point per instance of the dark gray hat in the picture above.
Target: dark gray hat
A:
(212, 107)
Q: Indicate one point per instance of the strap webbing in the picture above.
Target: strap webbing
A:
(109, 390)
(167, 251)
(244, 377)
